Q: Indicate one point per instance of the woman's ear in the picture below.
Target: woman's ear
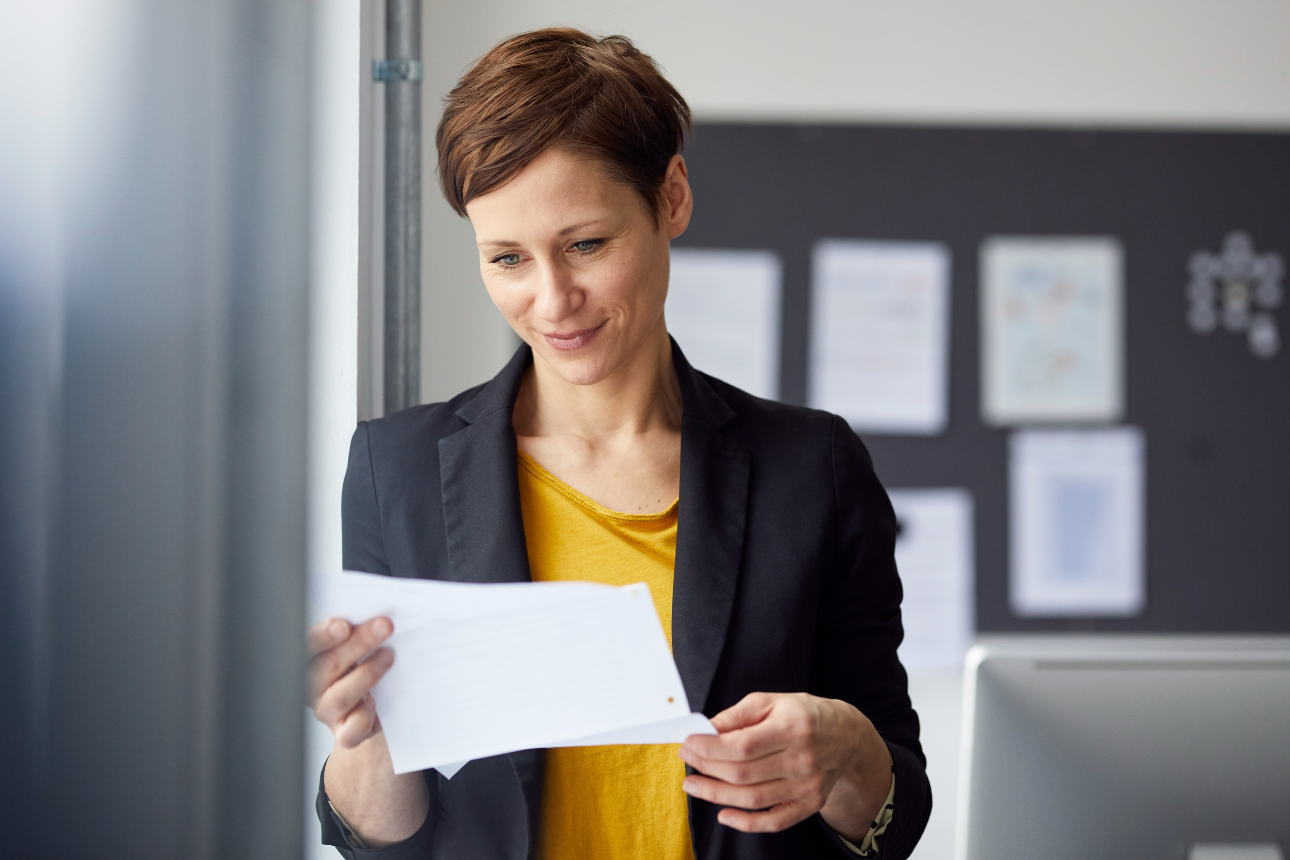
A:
(676, 191)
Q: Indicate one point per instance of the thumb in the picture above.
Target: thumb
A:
(749, 711)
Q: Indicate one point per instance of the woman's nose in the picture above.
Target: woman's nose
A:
(558, 297)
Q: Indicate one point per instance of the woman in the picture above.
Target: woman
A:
(599, 453)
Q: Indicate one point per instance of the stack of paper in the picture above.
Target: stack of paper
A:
(486, 669)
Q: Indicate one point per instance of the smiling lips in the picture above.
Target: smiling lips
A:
(569, 341)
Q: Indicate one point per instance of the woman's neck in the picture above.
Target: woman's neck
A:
(641, 397)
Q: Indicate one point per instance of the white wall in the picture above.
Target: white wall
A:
(333, 318)
(1200, 62)
(938, 699)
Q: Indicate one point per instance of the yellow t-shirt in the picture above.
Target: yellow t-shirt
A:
(611, 802)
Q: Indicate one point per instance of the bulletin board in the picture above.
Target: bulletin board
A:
(1215, 415)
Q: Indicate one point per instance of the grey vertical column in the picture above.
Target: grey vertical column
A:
(402, 74)
(153, 384)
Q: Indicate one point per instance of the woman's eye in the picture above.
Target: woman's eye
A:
(507, 260)
(586, 246)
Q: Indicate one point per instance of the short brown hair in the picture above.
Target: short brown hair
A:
(560, 86)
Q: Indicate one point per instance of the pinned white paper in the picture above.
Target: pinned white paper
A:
(880, 334)
(482, 670)
(723, 308)
(1077, 519)
(1052, 330)
(934, 554)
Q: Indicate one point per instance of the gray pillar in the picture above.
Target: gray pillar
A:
(152, 473)
(402, 74)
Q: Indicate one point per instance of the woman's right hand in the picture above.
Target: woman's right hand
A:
(381, 808)
(339, 687)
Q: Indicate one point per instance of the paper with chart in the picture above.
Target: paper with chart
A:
(723, 309)
(487, 669)
(1077, 511)
(1052, 330)
(880, 334)
(934, 554)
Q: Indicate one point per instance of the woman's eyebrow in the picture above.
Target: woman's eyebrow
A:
(572, 228)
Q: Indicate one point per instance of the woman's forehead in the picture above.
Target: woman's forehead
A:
(559, 193)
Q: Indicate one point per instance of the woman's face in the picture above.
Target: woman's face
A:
(576, 263)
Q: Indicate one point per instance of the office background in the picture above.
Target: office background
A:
(829, 64)
(187, 189)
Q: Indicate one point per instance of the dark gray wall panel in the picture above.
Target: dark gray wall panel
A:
(1217, 418)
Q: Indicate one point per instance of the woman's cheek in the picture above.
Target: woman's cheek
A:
(508, 300)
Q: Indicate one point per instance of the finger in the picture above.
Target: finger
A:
(344, 695)
(358, 725)
(750, 710)
(764, 769)
(773, 820)
(330, 665)
(763, 795)
(763, 739)
(326, 634)
(347, 691)
(362, 639)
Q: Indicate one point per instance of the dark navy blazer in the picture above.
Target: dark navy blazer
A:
(785, 581)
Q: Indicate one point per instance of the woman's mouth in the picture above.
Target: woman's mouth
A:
(567, 341)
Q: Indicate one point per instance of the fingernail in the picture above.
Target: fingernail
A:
(337, 627)
(384, 627)
(687, 786)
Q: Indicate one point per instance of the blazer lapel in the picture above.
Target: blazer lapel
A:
(478, 470)
(713, 511)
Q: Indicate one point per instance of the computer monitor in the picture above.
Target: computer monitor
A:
(1149, 749)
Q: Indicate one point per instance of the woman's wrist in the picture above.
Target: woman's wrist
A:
(381, 807)
(857, 797)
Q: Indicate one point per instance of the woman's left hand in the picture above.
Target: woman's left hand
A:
(786, 756)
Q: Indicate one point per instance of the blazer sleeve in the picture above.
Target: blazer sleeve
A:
(419, 846)
(362, 541)
(363, 549)
(859, 629)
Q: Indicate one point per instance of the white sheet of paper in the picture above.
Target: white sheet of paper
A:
(1077, 510)
(1052, 331)
(723, 308)
(666, 732)
(934, 553)
(482, 670)
(880, 334)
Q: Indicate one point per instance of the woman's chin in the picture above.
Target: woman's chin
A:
(582, 373)
(581, 368)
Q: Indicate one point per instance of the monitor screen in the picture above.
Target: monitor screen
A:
(1115, 748)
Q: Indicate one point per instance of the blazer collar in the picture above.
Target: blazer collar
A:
(499, 393)
(478, 472)
(485, 527)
